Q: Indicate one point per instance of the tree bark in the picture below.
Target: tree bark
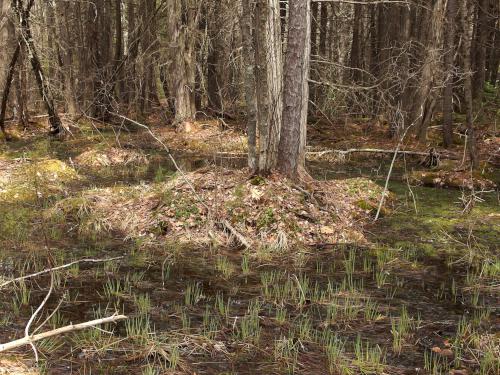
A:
(249, 82)
(43, 86)
(6, 89)
(479, 49)
(291, 154)
(182, 26)
(494, 60)
(269, 72)
(449, 57)
(466, 23)
(214, 58)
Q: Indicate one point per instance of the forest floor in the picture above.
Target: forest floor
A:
(227, 273)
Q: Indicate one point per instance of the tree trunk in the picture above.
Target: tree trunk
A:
(449, 57)
(480, 49)
(182, 26)
(466, 23)
(214, 57)
(43, 86)
(117, 68)
(426, 95)
(6, 89)
(21, 83)
(291, 154)
(269, 72)
(249, 82)
(494, 60)
(65, 41)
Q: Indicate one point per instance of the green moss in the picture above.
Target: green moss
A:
(266, 218)
(36, 180)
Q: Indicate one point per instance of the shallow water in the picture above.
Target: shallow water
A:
(426, 263)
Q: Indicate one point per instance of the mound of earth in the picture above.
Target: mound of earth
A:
(451, 179)
(110, 157)
(220, 205)
(25, 181)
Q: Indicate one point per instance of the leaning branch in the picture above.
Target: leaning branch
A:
(59, 331)
(235, 233)
(57, 269)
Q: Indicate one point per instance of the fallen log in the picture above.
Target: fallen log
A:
(28, 340)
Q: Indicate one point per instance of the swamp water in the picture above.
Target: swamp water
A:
(423, 299)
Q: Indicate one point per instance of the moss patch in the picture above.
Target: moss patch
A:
(24, 181)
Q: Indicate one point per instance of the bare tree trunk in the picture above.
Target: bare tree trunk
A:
(249, 82)
(65, 40)
(117, 68)
(494, 60)
(449, 57)
(269, 72)
(466, 23)
(6, 89)
(479, 49)
(291, 154)
(214, 57)
(426, 97)
(182, 26)
(43, 86)
(21, 91)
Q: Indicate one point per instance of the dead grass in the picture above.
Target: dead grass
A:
(111, 157)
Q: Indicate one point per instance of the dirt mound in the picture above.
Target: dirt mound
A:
(269, 213)
(451, 179)
(110, 157)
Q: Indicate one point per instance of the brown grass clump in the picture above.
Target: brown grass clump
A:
(110, 157)
(272, 213)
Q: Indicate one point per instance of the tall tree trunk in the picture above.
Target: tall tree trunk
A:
(425, 100)
(214, 57)
(21, 83)
(449, 57)
(182, 26)
(249, 82)
(118, 68)
(466, 23)
(479, 49)
(269, 73)
(43, 86)
(132, 51)
(313, 87)
(494, 60)
(291, 154)
(356, 43)
(66, 48)
(6, 89)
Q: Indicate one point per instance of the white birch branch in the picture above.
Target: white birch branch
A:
(28, 340)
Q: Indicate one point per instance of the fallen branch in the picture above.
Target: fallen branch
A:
(57, 269)
(235, 233)
(351, 151)
(28, 340)
(368, 150)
